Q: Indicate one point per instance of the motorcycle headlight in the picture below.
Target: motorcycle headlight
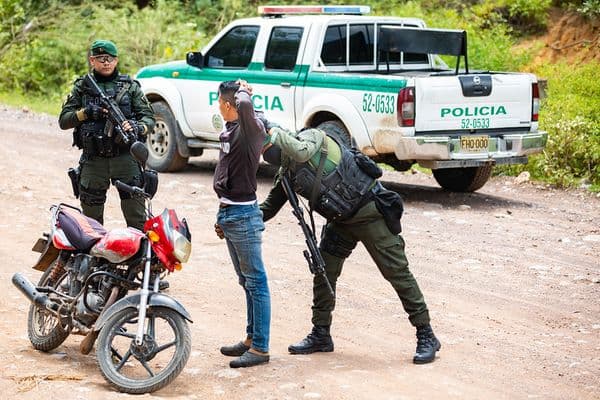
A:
(182, 247)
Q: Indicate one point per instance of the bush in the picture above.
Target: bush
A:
(570, 116)
(590, 8)
(44, 63)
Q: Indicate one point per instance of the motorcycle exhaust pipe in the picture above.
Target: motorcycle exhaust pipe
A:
(31, 292)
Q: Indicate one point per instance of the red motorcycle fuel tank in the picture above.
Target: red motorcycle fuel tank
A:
(118, 245)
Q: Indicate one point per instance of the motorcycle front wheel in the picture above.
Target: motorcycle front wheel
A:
(148, 367)
(44, 328)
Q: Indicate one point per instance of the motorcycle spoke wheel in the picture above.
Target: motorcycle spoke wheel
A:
(44, 328)
(148, 367)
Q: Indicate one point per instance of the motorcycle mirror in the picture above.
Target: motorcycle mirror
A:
(139, 151)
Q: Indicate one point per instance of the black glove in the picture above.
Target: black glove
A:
(94, 112)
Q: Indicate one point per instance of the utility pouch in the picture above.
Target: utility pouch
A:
(74, 175)
(367, 165)
(77, 141)
(105, 147)
(88, 143)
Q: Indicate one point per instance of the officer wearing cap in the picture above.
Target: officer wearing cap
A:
(341, 185)
(105, 158)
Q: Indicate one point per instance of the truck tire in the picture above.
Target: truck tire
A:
(338, 130)
(463, 179)
(162, 141)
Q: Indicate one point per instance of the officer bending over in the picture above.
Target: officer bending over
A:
(105, 157)
(357, 208)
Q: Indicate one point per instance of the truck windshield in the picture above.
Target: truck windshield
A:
(234, 49)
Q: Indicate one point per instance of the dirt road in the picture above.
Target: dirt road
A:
(511, 275)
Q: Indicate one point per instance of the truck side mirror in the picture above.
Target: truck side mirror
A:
(195, 59)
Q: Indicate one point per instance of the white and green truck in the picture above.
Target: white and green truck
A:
(379, 79)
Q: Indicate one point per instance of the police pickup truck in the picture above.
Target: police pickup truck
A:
(379, 80)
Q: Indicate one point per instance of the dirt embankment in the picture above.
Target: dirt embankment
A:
(571, 38)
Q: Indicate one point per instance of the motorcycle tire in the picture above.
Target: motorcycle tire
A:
(43, 328)
(130, 368)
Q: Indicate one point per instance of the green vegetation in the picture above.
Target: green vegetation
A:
(571, 115)
(43, 45)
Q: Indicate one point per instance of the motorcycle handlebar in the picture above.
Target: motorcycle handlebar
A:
(133, 190)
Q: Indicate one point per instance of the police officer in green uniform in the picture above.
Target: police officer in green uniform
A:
(358, 209)
(105, 158)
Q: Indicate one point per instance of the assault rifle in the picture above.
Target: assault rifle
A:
(313, 256)
(115, 115)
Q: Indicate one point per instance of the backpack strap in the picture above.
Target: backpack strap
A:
(319, 175)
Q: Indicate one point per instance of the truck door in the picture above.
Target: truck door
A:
(278, 81)
(228, 59)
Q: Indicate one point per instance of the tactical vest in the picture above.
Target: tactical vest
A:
(342, 191)
(96, 137)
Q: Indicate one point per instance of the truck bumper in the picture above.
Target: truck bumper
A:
(446, 152)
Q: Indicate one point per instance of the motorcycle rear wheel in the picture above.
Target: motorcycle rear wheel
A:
(151, 366)
(43, 328)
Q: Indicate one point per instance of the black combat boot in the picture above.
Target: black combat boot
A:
(427, 345)
(318, 340)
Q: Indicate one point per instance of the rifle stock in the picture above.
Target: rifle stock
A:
(313, 256)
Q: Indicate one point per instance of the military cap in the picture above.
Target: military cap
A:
(103, 47)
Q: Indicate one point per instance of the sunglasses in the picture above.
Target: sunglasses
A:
(104, 59)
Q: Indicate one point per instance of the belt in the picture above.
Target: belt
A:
(224, 205)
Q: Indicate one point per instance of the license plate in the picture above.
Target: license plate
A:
(40, 245)
(474, 144)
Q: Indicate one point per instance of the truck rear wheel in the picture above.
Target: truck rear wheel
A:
(463, 179)
(162, 141)
(338, 130)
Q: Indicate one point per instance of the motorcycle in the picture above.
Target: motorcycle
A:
(142, 338)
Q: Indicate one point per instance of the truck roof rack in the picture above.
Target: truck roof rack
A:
(450, 42)
(278, 11)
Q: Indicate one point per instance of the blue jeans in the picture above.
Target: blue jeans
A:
(243, 226)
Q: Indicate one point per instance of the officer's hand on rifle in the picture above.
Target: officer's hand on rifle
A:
(94, 112)
(134, 127)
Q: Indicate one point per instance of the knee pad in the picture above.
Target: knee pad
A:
(336, 245)
(93, 197)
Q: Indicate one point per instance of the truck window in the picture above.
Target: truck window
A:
(234, 50)
(361, 44)
(334, 46)
(282, 50)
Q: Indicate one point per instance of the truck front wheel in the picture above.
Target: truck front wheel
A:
(162, 141)
(463, 179)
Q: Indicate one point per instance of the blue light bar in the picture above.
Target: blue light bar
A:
(346, 10)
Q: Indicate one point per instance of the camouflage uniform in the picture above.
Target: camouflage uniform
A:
(340, 237)
(103, 160)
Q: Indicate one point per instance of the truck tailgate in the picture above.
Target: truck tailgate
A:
(474, 102)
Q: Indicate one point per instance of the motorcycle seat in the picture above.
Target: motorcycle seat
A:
(81, 231)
